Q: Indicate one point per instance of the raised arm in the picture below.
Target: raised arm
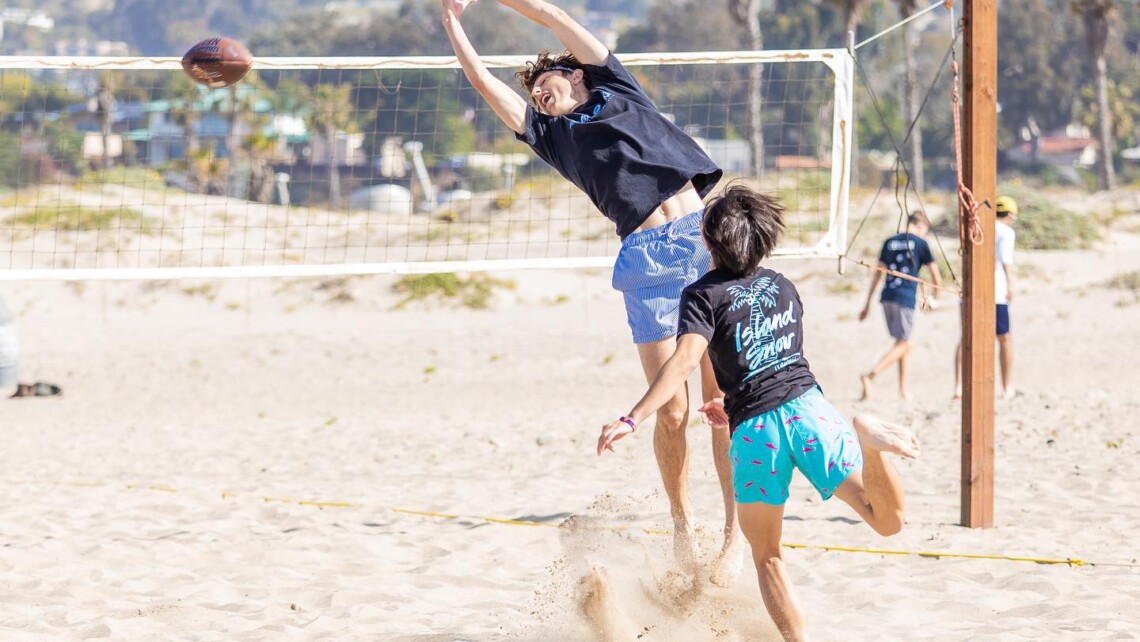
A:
(506, 102)
(673, 375)
(577, 40)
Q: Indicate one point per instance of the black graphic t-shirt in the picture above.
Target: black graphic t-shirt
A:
(753, 325)
(619, 149)
(904, 253)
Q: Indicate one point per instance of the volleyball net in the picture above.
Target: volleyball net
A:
(122, 168)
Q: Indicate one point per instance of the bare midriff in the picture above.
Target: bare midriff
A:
(683, 202)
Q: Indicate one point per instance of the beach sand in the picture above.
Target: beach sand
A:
(284, 460)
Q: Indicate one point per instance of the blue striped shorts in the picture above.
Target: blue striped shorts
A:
(652, 268)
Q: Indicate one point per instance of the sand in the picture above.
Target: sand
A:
(227, 457)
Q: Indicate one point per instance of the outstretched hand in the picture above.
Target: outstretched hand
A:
(612, 432)
(713, 413)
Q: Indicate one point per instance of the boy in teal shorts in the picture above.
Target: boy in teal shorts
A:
(748, 318)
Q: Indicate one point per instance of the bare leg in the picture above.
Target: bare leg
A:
(958, 371)
(875, 491)
(1005, 352)
(671, 447)
(904, 365)
(897, 352)
(726, 566)
(763, 525)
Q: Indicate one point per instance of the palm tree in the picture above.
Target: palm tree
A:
(184, 96)
(242, 101)
(206, 170)
(1094, 13)
(851, 10)
(332, 112)
(761, 291)
(259, 148)
(105, 105)
(747, 12)
(910, 97)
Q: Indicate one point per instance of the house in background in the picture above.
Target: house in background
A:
(1071, 146)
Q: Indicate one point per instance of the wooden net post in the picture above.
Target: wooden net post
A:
(979, 165)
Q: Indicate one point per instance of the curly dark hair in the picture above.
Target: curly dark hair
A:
(741, 228)
(546, 61)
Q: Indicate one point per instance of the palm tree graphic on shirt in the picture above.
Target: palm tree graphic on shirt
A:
(758, 296)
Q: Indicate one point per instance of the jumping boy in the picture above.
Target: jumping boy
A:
(589, 119)
(905, 253)
(748, 318)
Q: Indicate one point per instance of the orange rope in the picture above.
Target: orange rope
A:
(925, 283)
(907, 277)
(969, 226)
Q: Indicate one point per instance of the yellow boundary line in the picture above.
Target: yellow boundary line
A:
(225, 494)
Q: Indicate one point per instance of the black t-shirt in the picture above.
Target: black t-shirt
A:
(618, 149)
(753, 325)
(904, 253)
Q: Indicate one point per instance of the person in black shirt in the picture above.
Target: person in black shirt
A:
(590, 120)
(749, 319)
(905, 253)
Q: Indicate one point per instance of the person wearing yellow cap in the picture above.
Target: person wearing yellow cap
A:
(1004, 240)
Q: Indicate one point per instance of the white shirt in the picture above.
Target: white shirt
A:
(9, 339)
(1004, 238)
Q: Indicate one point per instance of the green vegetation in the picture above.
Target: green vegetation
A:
(1127, 281)
(474, 291)
(75, 218)
(138, 177)
(1044, 225)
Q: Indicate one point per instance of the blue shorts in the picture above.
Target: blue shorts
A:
(652, 268)
(805, 433)
(1002, 319)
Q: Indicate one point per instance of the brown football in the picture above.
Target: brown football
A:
(217, 62)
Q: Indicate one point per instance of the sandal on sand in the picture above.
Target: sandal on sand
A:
(38, 389)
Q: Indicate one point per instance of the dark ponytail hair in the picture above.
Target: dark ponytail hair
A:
(741, 228)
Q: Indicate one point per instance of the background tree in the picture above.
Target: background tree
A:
(332, 113)
(851, 10)
(259, 149)
(910, 96)
(1038, 77)
(747, 13)
(105, 107)
(183, 97)
(1094, 14)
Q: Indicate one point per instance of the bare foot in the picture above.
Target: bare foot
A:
(885, 437)
(726, 567)
(865, 379)
(903, 395)
(684, 546)
(957, 394)
(601, 609)
(1008, 393)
